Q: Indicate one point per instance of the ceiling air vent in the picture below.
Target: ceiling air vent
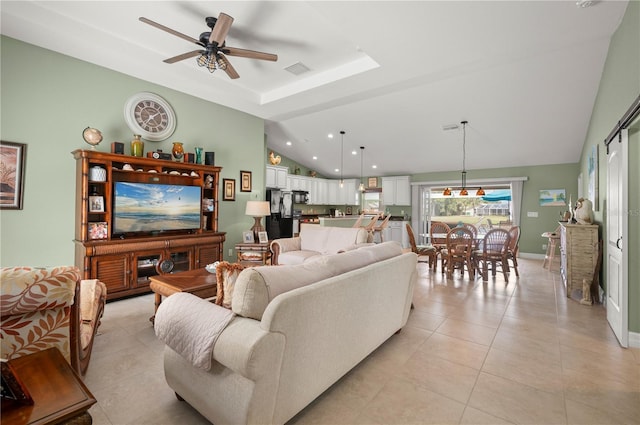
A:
(297, 68)
(450, 127)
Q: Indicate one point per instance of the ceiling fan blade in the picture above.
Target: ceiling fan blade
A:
(229, 69)
(244, 53)
(183, 56)
(170, 31)
(220, 29)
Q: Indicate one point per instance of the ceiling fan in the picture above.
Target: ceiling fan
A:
(213, 56)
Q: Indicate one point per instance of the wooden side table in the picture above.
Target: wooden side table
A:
(253, 254)
(58, 393)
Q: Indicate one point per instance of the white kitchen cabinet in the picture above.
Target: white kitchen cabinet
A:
(396, 190)
(397, 231)
(276, 177)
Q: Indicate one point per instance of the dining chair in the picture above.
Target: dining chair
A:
(438, 236)
(512, 250)
(428, 251)
(471, 227)
(457, 254)
(493, 253)
(377, 230)
(358, 222)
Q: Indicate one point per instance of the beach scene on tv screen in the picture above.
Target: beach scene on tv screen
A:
(144, 207)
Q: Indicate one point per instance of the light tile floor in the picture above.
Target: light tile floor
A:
(471, 353)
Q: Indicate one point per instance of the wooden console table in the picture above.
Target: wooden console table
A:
(58, 394)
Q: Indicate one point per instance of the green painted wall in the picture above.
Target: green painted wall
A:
(47, 106)
(619, 87)
(563, 176)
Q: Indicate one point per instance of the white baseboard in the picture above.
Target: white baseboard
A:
(634, 339)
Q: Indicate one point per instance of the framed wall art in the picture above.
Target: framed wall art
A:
(12, 166)
(552, 198)
(372, 182)
(229, 189)
(245, 181)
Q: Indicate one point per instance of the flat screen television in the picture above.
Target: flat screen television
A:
(155, 208)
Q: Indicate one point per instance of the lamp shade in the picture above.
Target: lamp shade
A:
(258, 208)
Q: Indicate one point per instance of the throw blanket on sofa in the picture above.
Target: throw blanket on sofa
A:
(190, 326)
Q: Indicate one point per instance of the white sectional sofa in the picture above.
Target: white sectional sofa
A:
(295, 331)
(317, 240)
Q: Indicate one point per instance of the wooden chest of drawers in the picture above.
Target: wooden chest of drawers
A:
(579, 254)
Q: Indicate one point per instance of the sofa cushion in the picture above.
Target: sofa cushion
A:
(330, 240)
(226, 275)
(296, 257)
(257, 286)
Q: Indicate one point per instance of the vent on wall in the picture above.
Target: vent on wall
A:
(297, 68)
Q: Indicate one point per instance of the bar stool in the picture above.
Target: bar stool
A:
(552, 245)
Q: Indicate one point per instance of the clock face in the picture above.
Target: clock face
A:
(150, 116)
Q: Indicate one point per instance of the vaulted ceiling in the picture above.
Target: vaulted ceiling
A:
(390, 74)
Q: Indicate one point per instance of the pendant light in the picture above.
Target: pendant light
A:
(463, 187)
(361, 187)
(342, 158)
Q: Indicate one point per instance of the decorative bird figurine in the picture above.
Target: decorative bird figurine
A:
(274, 159)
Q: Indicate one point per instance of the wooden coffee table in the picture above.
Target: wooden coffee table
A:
(58, 393)
(198, 282)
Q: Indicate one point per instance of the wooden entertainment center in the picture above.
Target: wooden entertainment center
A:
(125, 261)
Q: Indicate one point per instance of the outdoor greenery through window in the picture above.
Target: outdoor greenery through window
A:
(491, 210)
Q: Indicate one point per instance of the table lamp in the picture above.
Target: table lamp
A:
(257, 210)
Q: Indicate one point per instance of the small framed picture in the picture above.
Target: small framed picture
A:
(262, 237)
(372, 182)
(96, 204)
(12, 164)
(349, 211)
(245, 181)
(247, 237)
(98, 230)
(229, 189)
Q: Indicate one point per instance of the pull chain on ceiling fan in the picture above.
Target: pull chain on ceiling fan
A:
(213, 56)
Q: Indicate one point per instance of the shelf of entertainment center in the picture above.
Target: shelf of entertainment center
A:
(124, 261)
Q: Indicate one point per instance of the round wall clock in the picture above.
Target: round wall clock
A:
(150, 116)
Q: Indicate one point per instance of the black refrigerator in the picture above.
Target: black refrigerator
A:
(280, 223)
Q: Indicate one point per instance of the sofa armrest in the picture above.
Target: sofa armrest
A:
(279, 246)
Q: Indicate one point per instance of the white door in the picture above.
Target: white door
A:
(617, 256)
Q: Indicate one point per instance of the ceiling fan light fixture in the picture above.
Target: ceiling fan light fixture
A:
(203, 60)
(222, 63)
(212, 65)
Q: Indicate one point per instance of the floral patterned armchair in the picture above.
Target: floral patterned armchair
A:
(53, 307)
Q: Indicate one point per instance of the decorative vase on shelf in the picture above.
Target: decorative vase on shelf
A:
(177, 151)
(137, 146)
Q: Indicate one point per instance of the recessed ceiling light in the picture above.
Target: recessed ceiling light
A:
(315, 157)
(337, 170)
(354, 153)
(289, 143)
(330, 135)
(374, 166)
